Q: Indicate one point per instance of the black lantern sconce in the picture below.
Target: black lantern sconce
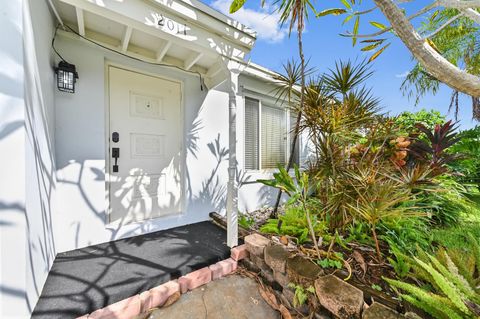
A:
(66, 77)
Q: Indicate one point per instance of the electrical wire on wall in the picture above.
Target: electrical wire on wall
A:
(69, 29)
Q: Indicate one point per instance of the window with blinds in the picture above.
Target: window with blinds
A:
(252, 108)
(268, 131)
(273, 137)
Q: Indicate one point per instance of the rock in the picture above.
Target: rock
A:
(379, 311)
(269, 280)
(302, 271)
(340, 298)
(259, 262)
(256, 243)
(276, 257)
(249, 265)
(281, 278)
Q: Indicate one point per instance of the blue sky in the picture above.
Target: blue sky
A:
(323, 46)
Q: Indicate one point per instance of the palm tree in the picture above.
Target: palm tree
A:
(295, 13)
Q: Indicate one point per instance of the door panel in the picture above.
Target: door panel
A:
(145, 111)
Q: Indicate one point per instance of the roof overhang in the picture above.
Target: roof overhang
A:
(188, 34)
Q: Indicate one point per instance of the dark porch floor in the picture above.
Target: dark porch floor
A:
(87, 279)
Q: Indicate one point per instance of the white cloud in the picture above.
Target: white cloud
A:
(265, 23)
(402, 75)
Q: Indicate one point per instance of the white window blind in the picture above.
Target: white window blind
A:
(273, 136)
(251, 133)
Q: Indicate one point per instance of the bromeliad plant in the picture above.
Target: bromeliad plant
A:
(299, 191)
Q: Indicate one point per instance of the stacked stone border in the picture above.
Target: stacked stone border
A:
(280, 265)
(158, 296)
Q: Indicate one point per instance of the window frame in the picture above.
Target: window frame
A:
(287, 116)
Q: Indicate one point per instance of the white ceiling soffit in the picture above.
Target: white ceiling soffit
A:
(171, 30)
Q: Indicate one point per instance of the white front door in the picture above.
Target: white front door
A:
(146, 131)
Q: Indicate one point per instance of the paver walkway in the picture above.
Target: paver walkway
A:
(231, 297)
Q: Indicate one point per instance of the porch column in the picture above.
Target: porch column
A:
(232, 190)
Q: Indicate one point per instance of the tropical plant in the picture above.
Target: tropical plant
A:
(407, 121)
(295, 13)
(450, 295)
(401, 262)
(433, 152)
(294, 223)
(245, 221)
(447, 201)
(467, 165)
(379, 198)
(299, 191)
(329, 262)
(288, 91)
(301, 294)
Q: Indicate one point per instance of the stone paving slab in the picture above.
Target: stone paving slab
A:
(229, 297)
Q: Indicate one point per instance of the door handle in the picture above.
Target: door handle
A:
(115, 155)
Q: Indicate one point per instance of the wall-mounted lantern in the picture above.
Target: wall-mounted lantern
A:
(66, 77)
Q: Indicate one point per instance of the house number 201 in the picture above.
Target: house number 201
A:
(171, 25)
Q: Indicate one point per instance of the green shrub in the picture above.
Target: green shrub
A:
(294, 223)
(452, 292)
(467, 166)
(246, 221)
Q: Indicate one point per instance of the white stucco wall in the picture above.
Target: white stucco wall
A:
(80, 219)
(40, 167)
(12, 169)
(27, 170)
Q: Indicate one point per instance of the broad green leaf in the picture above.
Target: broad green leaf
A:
(347, 19)
(371, 46)
(334, 11)
(434, 15)
(378, 25)
(376, 54)
(355, 30)
(236, 5)
(346, 4)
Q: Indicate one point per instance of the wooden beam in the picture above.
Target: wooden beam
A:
(163, 51)
(192, 59)
(214, 69)
(138, 14)
(80, 21)
(126, 38)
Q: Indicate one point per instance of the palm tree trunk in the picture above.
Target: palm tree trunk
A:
(299, 117)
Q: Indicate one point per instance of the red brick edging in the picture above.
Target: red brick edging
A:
(157, 296)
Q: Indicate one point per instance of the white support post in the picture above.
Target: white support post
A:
(232, 190)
